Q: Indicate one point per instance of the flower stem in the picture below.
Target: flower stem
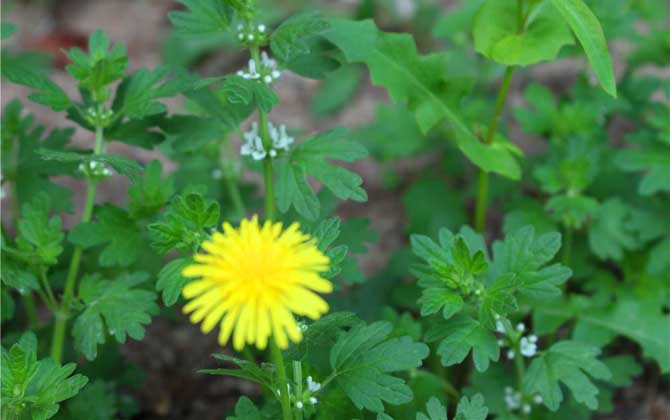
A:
(267, 167)
(70, 280)
(483, 178)
(284, 396)
(31, 310)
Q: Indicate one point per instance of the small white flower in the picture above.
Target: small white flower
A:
(240, 36)
(261, 28)
(273, 153)
(510, 354)
(526, 408)
(240, 27)
(500, 327)
(276, 74)
(107, 172)
(501, 343)
(217, 174)
(313, 400)
(527, 348)
(512, 398)
(250, 37)
(299, 404)
(267, 79)
(521, 327)
(313, 386)
(533, 338)
(537, 399)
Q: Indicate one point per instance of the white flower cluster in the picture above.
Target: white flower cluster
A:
(527, 345)
(267, 72)
(94, 117)
(307, 396)
(253, 144)
(514, 400)
(251, 33)
(94, 169)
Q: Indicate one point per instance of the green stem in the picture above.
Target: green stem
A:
(284, 396)
(47, 288)
(297, 379)
(267, 167)
(481, 206)
(31, 309)
(70, 281)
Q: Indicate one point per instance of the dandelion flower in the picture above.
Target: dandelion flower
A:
(253, 279)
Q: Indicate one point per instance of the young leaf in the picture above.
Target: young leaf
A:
(498, 36)
(309, 159)
(204, 18)
(246, 370)
(150, 194)
(140, 91)
(39, 234)
(48, 93)
(33, 389)
(471, 409)
(395, 64)
(590, 34)
(524, 255)
(435, 410)
(115, 228)
(611, 232)
(362, 360)
(249, 92)
(459, 336)
(654, 159)
(121, 164)
(184, 222)
(116, 307)
(566, 362)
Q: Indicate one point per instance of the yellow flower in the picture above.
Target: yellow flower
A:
(253, 279)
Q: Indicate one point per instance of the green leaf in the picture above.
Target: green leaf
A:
(184, 224)
(336, 91)
(654, 160)
(33, 389)
(97, 401)
(115, 228)
(497, 34)
(121, 164)
(566, 362)
(204, 18)
(435, 410)
(7, 29)
(17, 274)
(48, 93)
(590, 34)
(118, 308)
(433, 299)
(460, 335)
(624, 369)
(246, 370)
(498, 299)
(151, 193)
(140, 91)
(290, 39)
(572, 211)
(170, 281)
(420, 82)
(322, 334)
(637, 320)
(38, 233)
(471, 409)
(100, 68)
(309, 159)
(525, 255)
(245, 410)
(611, 232)
(362, 359)
(249, 92)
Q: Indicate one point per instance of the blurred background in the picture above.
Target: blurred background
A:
(160, 379)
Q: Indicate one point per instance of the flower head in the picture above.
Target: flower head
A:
(253, 279)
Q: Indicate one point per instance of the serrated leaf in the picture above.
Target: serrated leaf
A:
(654, 160)
(566, 362)
(289, 40)
(170, 281)
(245, 410)
(246, 370)
(140, 91)
(588, 31)
(611, 232)
(202, 18)
(151, 193)
(497, 34)
(472, 408)
(38, 233)
(33, 389)
(121, 164)
(183, 225)
(420, 82)
(461, 335)
(113, 228)
(47, 92)
(249, 92)
(309, 159)
(119, 308)
(362, 359)
(97, 401)
(434, 409)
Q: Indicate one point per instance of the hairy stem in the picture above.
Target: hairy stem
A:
(70, 281)
(284, 396)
